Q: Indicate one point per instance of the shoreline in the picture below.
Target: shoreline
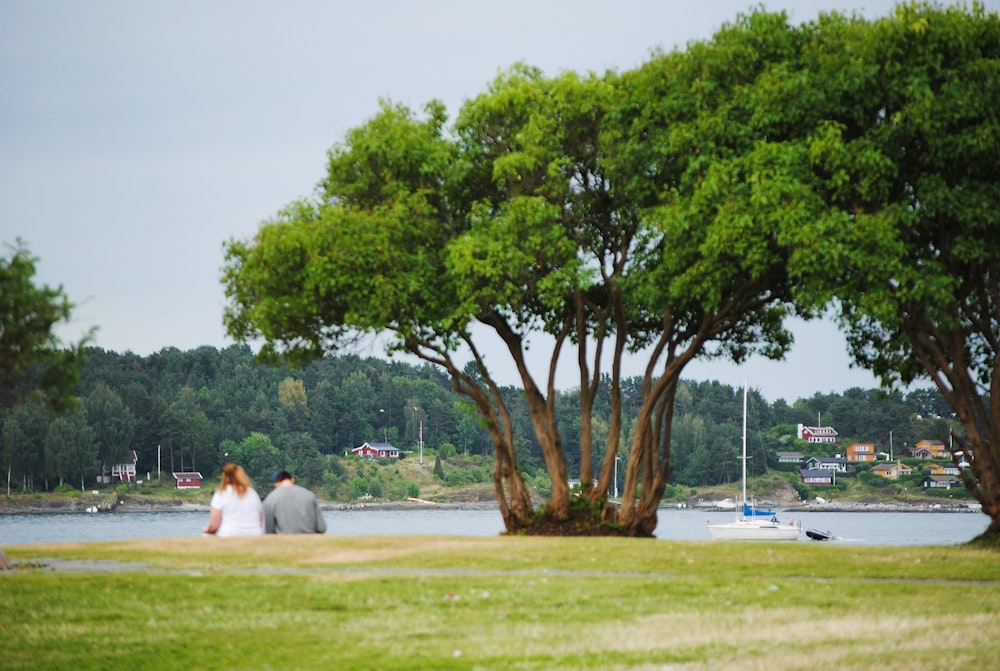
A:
(147, 506)
(885, 507)
(153, 506)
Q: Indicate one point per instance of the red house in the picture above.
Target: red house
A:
(817, 434)
(190, 480)
(376, 451)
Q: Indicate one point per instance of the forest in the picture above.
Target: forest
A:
(194, 410)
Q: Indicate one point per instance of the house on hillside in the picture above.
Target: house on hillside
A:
(860, 452)
(838, 464)
(892, 470)
(816, 476)
(935, 448)
(188, 480)
(817, 434)
(790, 457)
(942, 481)
(123, 472)
(376, 451)
(944, 469)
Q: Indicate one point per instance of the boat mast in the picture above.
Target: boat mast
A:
(744, 444)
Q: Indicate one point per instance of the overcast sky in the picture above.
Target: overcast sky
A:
(137, 137)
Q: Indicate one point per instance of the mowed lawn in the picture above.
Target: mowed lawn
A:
(419, 602)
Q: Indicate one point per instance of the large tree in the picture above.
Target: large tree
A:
(614, 214)
(33, 360)
(908, 157)
(113, 424)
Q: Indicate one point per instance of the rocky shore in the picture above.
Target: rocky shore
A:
(885, 507)
(86, 504)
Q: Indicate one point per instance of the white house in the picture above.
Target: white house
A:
(838, 464)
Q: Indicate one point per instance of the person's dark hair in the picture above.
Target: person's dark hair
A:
(282, 474)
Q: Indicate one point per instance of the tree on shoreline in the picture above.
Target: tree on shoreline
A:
(908, 158)
(680, 210)
(545, 214)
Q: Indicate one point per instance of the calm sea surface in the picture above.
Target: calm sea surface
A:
(859, 528)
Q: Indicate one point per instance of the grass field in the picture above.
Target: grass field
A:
(417, 602)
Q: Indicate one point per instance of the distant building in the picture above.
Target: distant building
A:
(123, 472)
(892, 470)
(860, 452)
(817, 434)
(188, 480)
(935, 449)
(816, 476)
(376, 451)
(945, 469)
(942, 481)
(838, 464)
(790, 457)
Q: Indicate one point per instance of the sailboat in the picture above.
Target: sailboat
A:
(751, 523)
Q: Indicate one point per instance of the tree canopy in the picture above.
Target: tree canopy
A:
(681, 209)
(33, 360)
(907, 153)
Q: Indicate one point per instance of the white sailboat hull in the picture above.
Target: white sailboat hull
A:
(745, 530)
(748, 527)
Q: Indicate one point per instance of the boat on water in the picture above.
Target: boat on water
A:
(751, 523)
(725, 504)
(818, 535)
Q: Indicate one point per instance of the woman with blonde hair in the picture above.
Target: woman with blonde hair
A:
(236, 509)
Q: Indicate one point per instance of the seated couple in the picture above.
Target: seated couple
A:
(236, 508)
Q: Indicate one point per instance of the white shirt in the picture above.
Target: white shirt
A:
(241, 515)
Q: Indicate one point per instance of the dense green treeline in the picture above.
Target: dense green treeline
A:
(194, 410)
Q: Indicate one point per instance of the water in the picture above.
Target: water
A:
(883, 528)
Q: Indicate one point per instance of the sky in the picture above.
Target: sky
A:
(136, 138)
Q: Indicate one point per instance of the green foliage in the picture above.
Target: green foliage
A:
(438, 467)
(542, 484)
(122, 489)
(256, 454)
(874, 481)
(34, 363)
(113, 424)
(359, 487)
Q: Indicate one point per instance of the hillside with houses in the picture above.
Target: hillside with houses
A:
(352, 427)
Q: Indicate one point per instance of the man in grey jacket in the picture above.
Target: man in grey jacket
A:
(291, 509)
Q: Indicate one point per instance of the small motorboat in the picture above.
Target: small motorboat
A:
(818, 535)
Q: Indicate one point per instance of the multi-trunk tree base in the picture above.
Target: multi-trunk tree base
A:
(585, 518)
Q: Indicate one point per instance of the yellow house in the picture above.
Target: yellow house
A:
(892, 470)
(861, 452)
(937, 449)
